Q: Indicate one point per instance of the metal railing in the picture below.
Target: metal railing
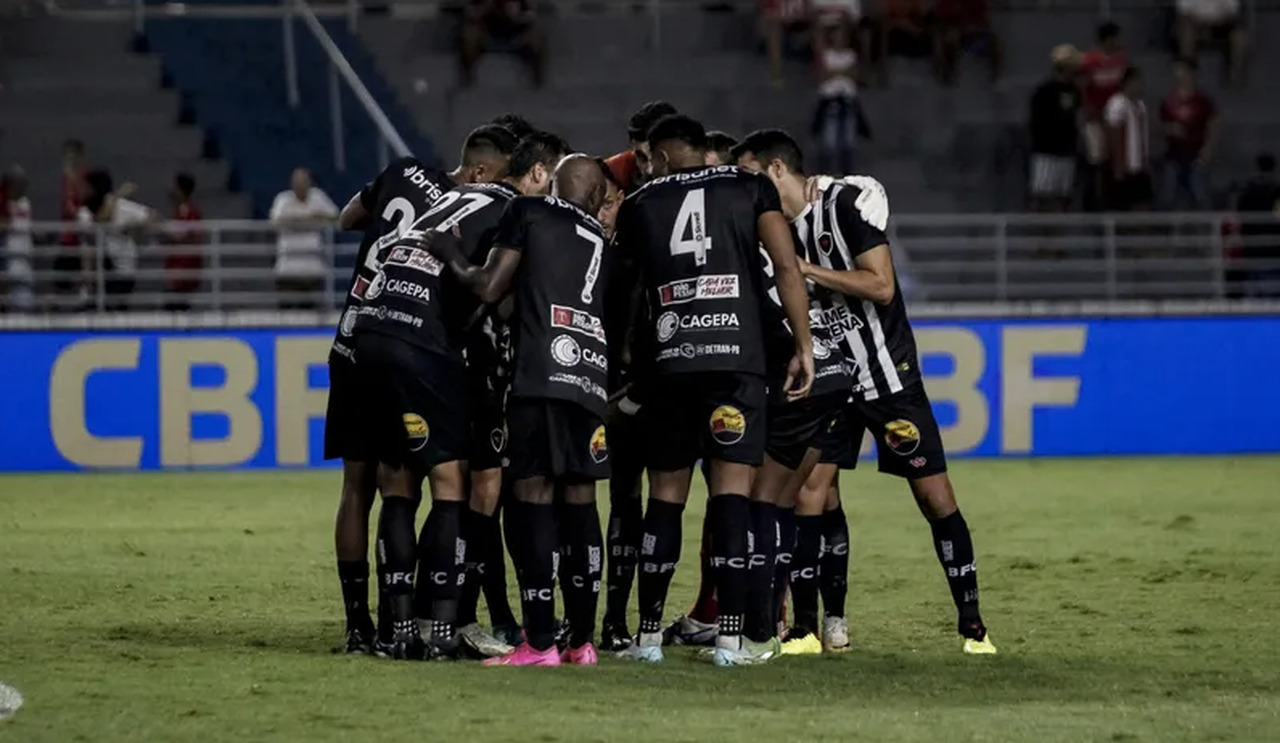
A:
(1012, 259)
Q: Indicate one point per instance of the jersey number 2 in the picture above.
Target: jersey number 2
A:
(689, 234)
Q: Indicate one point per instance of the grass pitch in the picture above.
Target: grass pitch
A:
(1131, 600)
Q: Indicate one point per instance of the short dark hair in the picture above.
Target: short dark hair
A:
(645, 117)
(720, 141)
(539, 147)
(1108, 30)
(1266, 162)
(678, 128)
(493, 137)
(771, 144)
(516, 124)
(100, 184)
(186, 184)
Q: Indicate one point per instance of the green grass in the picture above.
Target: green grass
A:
(1132, 601)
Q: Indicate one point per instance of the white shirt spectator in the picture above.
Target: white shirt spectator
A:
(1209, 11)
(118, 243)
(839, 64)
(831, 11)
(1131, 116)
(300, 248)
(18, 253)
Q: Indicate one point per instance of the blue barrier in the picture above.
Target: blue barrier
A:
(256, 398)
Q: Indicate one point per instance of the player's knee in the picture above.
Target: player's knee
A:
(535, 490)
(447, 482)
(486, 491)
(580, 494)
(934, 496)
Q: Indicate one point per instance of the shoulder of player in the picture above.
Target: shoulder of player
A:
(691, 177)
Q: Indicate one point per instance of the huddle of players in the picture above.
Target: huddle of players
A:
(490, 321)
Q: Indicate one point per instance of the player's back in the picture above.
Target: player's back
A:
(406, 299)
(694, 236)
(557, 332)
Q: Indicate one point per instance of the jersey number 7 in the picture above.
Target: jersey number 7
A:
(689, 233)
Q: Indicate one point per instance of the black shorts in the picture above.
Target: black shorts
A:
(795, 427)
(716, 415)
(839, 445)
(907, 436)
(342, 414)
(410, 412)
(555, 439)
(488, 427)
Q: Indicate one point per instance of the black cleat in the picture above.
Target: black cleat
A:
(615, 637)
(359, 641)
(445, 650)
(403, 646)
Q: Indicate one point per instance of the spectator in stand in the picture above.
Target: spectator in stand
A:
(69, 266)
(124, 221)
(15, 220)
(185, 257)
(512, 23)
(1055, 133)
(907, 30)
(1217, 22)
(1101, 72)
(828, 14)
(1128, 143)
(965, 25)
(1259, 206)
(301, 214)
(1190, 122)
(782, 23)
(839, 119)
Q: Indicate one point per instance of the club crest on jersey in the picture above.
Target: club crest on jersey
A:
(825, 243)
(498, 439)
(415, 428)
(728, 425)
(566, 351)
(599, 446)
(348, 324)
(902, 437)
(820, 349)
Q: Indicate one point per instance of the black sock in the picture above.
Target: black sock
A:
(954, 546)
(477, 551)
(495, 571)
(626, 522)
(581, 565)
(782, 563)
(659, 554)
(534, 551)
(761, 620)
(442, 554)
(733, 526)
(354, 577)
(396, 558)
(804, 572)
(834, 563)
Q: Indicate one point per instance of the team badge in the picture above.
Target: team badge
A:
(902, 437)
(824, 243)
(415, 428)
(820, 349)
(727, 425)
(498, 439)
(599, 446)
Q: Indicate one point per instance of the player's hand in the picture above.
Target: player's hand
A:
(815, 185)
(799, 375)
(872, 202)
(806, 268)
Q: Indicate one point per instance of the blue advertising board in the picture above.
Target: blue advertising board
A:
(256, 398)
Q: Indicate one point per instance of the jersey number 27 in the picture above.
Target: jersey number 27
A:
(689, 233)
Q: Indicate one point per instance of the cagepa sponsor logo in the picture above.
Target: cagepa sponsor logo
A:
(568, 352)
(577, 320)
(408, 289)
(713, 286)
(669, 322)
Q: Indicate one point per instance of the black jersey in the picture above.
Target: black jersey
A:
(557, 334)
(830, 371)
(693, 234)
(876, 340)
(406, 299)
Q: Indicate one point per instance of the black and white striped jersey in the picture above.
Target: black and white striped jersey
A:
(877, 341)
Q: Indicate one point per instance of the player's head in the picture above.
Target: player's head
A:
(516, 124)
(638, 127)
(1109, 36)
(579, 181)
(772, 152)
(719, 145)
(613, 197)
(677, 141)
(485, 152)
(533, 162)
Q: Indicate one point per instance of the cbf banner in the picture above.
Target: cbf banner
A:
(256, 398)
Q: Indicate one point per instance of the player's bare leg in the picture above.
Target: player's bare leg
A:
(397, 557)
(351, 545)
(442, 558)
(951, 540)
(583, 545)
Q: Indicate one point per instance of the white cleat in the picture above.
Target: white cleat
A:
(746, 652)
(648, 649)
(835, 635)
(481, 642)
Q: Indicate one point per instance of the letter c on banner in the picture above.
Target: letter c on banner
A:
(71, 434)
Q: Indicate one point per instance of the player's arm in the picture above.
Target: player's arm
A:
(776, 236)
(871, 279)
(354, 215)
(491, 281)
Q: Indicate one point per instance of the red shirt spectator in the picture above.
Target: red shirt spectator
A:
(1102, 70)
(1188, 116)
(73, 186)
(185, 258)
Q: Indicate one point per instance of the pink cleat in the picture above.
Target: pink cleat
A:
(524, 655)
(583, 656)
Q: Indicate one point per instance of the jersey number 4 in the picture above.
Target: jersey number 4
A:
(689, 234)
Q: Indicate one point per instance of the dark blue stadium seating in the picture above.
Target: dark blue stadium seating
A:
(231, 75)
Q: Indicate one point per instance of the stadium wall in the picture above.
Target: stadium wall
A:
(256, 398)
